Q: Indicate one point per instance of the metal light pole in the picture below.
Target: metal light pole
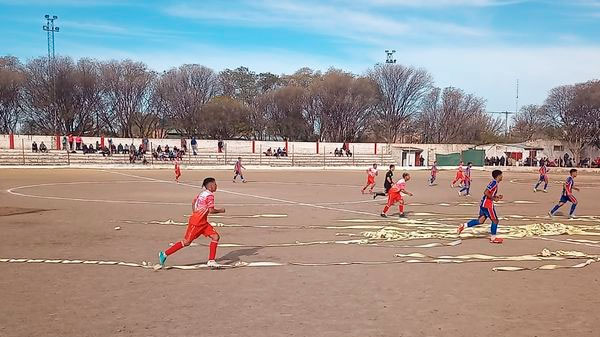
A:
(390, 56)
(51, 29)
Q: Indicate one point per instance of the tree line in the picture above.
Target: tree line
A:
(388, 103)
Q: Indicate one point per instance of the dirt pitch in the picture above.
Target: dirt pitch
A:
(72, 214)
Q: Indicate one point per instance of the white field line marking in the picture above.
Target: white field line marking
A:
(253, 195)
(14, 189)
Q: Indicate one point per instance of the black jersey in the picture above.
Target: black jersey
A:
(389, 180)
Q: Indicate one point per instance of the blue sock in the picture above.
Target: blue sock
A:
(538, 184)
(473, 223)
(545, 185)
(572, 209)
(469, 189)
(463, 189)
(555, 209)
(494, 228)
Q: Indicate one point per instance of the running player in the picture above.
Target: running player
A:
(466, 181)
(202, 206)
(567, 195)
(543, 177)
(177, 170)
(237, 169)
(387, 184)
(487, 209)
(371, 174)
(459, 174)
(395, 195)
(434, 171)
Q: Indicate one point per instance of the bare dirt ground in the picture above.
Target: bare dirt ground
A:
(72, 214)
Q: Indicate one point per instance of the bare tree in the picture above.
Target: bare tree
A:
(225, 118)
(182, 92)
(12, 81)
(284, 109)
(401, 90)
(574, 110)
(127, 87)
(452, 116)
(529, 123)
(342, 105)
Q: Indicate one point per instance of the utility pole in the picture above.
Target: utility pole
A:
(505, 113)
(51, 29)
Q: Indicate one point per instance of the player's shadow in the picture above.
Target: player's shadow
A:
(234, 256)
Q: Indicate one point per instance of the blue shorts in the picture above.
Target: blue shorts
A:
(542, 177)
(566, 198)
(488, 212)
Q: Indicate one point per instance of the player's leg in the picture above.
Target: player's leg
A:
(401, 207)
(573, 206)
(494, 227)
(545, 183)
(483, 215)
(372, 187)
(535, 188)
(561, 202)
(212, 248)
(391, 201)
(191, 233)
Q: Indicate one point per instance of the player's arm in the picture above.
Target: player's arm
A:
(213, 210)
(406, 192)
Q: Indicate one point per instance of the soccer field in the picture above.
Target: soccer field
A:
(312, 261)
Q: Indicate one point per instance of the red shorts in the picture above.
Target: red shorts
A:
(177, 172)
(394, 197)
(194, 232)
(370, 180)
(459, 175)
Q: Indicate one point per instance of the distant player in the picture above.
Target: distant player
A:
(371, 174)
(459, 174)
(434, 171)
(466, 189)
(237, 170)
(387, 184)
(567, 195)
(177, 170)
(202, 206)
(543, 177)
(487, 209)
(395, 195)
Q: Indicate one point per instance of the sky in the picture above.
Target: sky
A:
(480, 46)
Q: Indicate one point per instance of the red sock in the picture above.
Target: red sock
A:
(386, 208)
(177, 246)
(213, 250)
(401, 208)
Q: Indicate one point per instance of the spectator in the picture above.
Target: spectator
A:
(110, 145)
(64, 142)
(159, 149)
(131, 149)
(268, 153)
(85, 149)
(71, 142)
(183, 144)
(421, 160)
(502, 161)
(145, 142)
(113, 149)
(336, 152)
(166, 148)
(284, 152)
(348, 153)
(120, 148)
(105, 151)
(43, 148)
(220, 145)
(141, 149)
(278, 152)
(194, 145)
(78, 143)
(91, 149)
(34, 147)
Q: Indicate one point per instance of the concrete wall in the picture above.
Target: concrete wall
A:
(233, 146)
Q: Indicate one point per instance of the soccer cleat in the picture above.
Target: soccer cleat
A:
(401, 215)
(162, 257)
(244, 181)
(460, 229)
(571, 216)
(534, 190)
(545, 191)
(212, 264)
(496, 240)
(383, 215)
(550, 214)
(374, 196)
(459, 193)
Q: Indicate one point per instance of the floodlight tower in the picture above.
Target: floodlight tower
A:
(390, 56)
(50, 29)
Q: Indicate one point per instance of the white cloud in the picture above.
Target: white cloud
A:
(334, 19)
